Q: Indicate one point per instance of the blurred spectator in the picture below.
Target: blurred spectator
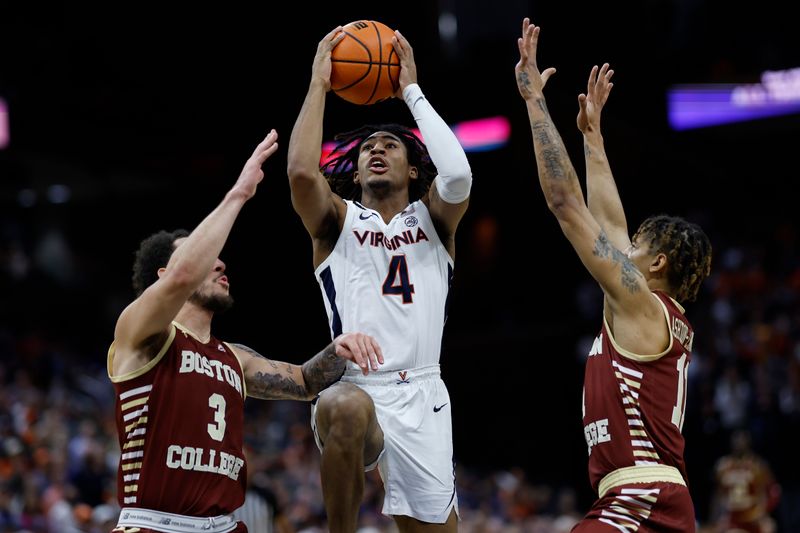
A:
(746, 492)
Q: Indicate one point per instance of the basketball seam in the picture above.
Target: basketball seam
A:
(377, 64)
(380, 59)
(358, 61)
(369, 54)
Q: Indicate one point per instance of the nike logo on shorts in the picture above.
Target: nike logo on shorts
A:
(437, 409)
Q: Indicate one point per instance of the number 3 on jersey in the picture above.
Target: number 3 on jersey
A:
(397, 279)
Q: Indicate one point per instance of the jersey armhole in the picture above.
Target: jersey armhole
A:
(138, 372)
(639, 357)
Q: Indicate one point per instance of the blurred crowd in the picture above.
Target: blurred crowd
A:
(59, 452)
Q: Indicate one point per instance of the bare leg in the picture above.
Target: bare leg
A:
(351, 438)
(406, 524)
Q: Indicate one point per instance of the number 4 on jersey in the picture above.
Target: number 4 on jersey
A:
(397, 279)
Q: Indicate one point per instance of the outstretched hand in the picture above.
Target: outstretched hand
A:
(591, 104)
(252, 174)
(359, 348)
(408, 68)
(321, 68)
(530, 81)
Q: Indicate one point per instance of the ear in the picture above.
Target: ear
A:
(658, 265)
(413, 173)
(355, 177)
(161, 271)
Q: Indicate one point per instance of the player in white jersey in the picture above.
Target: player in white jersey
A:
(382, 218)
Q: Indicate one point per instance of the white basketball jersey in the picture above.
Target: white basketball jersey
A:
(390, 281)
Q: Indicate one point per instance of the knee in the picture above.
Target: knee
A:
(344, 414)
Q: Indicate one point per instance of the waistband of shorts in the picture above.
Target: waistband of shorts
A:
(174, 523)
(640, 474)
(392, 377)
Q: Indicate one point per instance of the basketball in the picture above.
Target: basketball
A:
(364, 66)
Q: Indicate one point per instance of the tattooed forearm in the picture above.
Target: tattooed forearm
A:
(323, 369)
(278, 383)
(552, 152)
(541, 131)
(554, 163)
(630, 275)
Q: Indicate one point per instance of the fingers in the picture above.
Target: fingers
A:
(267, 147)
(592, 80)
(333, 33)
(348, 348)
(336, 40)
(371, 351)
(523, 52)
(546, 75)
(401, 41)
(362, 349)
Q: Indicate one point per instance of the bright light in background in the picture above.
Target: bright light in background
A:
(697, 106)
(5, 134)
(59, 194)
(479, 135)
(448, 26)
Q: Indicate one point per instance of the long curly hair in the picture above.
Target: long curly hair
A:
(153, 253)
(687, 248)
(339, 170)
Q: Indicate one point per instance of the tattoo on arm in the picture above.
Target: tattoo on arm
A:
(278, 384)
(552, 151)
(323, 370)
(630, 275)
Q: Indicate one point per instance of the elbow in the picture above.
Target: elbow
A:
(455, 187)
(300, 173)
(557, 203)
(562, 205)
(180, 277)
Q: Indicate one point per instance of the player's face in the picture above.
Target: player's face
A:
(383, 161)
(213, 294)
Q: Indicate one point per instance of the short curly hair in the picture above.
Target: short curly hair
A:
(339, 170)
(687, 248)
(153, 253)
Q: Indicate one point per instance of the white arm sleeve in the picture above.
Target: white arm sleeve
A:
(454, 180)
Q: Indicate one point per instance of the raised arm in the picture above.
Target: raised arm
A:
(148, 318)
(627, 294)
(321, 211)
(274, 380)
(601, 190)
(448, 197)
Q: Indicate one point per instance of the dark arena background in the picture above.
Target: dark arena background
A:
(118, 122)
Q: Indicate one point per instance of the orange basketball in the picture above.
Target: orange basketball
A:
(365, 67)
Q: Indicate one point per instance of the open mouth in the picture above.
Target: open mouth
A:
(377, 165)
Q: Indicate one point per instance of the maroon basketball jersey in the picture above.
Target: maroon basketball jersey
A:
(633, 405)
(180, 422)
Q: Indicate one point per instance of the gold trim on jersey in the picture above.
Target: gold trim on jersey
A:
(145, 368)
(639, 474)
(241, 366)
(638, 357)
(190, 332)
